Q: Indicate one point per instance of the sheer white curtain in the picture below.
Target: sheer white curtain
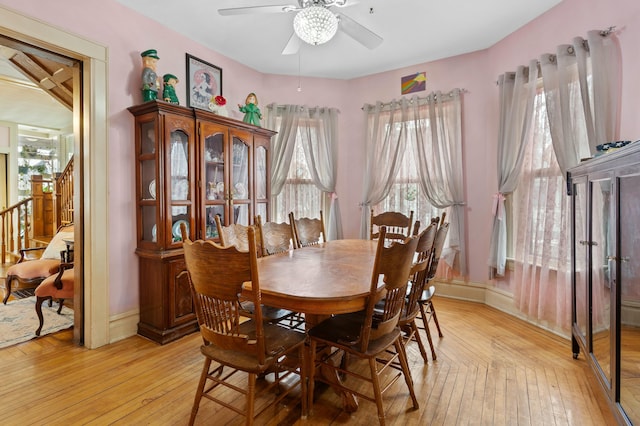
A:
(430, 128)
(517, 93)
(319, 137)
(284, 120)
(579, 109)
(385, 143)
(438, 152)
(316, 129)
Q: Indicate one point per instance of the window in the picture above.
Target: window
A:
(541, 207)
(299, 194)
(405, 194)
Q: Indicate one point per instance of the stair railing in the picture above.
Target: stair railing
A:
(15, 229)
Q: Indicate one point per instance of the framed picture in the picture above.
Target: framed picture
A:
(204, 81)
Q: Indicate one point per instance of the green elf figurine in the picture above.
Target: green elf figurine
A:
(251, 111)
(149, 77)
(169, 91)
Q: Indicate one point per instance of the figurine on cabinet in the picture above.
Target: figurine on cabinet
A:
(252, 114)
(169, 91)
(150, 82)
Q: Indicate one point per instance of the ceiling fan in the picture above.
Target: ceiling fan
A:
(315, 22)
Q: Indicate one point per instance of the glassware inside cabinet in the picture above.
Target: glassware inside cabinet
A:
(214, 167)
(149, 224)
(179, 214)
(148, 179)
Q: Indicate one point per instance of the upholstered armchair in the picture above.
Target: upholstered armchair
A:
(58, 286)
(29, 272)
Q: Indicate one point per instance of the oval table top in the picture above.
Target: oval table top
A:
(324, 279)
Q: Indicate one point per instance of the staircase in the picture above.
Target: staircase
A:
(33, 221)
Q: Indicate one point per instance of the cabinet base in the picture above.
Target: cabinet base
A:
(167, 335)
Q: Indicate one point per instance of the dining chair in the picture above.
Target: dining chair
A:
(308, 231)
(418, 279)
(398, 225)
(369, 334)
(276, 237)
(427, 309)
(416, 228)
(216, 277)
(238, 235)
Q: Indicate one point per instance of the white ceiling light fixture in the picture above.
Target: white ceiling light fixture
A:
(315, 25)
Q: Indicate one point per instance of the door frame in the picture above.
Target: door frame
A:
(90, 127)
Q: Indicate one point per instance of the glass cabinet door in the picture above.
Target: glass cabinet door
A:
(581, 276)
(629, 289)
(601, 279)
(148, 204)
(214, 180)
(261, 178)
(179, 178)
(240, 178)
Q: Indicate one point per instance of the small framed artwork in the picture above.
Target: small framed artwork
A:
(204, 81)
(413, 83)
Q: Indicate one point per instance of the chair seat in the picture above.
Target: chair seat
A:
(269, 313)
(48, 287)
(34, 269)
(276, 338)
(344, 331)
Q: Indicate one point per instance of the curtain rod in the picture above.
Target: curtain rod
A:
(418, 99)
(570, 50)
(302, 107)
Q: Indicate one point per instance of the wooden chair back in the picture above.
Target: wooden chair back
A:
(275, 237)
(419, 271)
(438, 245)
(237, 235)
(308, 231)
(391, 268)
(216, 276)
(398, 225)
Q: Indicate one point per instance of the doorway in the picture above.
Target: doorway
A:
(90, 174)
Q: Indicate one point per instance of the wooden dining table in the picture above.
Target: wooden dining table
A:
(320, 280)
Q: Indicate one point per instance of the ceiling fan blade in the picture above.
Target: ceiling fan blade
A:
(254, 9)
(293, 45)
(359, 33)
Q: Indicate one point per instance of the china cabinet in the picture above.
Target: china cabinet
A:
(605, 195)
(191, 165)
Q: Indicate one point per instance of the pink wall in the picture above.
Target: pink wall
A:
(126, 34)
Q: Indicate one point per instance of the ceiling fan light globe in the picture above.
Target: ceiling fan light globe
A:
(315, 25)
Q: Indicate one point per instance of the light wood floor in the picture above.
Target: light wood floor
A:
(491, 369)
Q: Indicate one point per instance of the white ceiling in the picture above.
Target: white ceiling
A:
(414, 31)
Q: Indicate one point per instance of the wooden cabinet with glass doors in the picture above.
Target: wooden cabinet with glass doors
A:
(606, 274)
(191, 165)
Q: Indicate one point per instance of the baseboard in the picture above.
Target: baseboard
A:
(123, 325)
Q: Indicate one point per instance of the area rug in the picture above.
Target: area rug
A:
(19, 321)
